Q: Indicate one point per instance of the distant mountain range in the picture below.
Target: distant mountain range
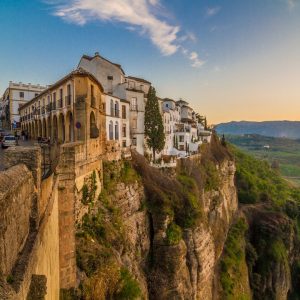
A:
(289, 129)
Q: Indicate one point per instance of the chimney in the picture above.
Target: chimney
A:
(96, 53)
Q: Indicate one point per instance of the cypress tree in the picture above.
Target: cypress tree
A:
(154, 127)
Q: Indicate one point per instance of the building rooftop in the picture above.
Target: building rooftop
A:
(78, 71)
(99, 56)
(138, 79)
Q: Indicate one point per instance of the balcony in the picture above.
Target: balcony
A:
(68, 99)
(59, 103)
(93, 101)
(133, 107)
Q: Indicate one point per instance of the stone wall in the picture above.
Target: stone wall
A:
(47, 254)
(29, 226)
(16, 199)
(37, 228)
(66, 216)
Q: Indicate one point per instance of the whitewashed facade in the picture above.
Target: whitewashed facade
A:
(117, 120)
(13, 98)
(131, 89)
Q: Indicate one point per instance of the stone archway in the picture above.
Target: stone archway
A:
(61, 128)
(44, 128)
(49, 127)
(54, 129)
(69, 127)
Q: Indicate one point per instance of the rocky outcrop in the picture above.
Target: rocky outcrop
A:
(129, 199)
(187, 270)
(271, 235)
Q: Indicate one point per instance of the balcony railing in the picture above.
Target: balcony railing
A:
(68, 100)
(59, 103)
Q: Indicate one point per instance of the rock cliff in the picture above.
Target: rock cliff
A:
(157, 235)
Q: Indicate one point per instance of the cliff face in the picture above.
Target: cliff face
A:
(166, 230)
(187, 270)
(178, 234)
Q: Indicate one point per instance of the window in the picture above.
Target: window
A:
(117, 109)
(181, 138)
(134, 123)
(93, 99)
(60, 98)
(181, 147)
(92, 90)
(133, 103)
(123, 112)
(124, 130)
(134, 141)
(54, 101)
(124, 143)
(21, 94)
(116, 131)
(141, 87)
(68, 97)
(36, 94)
(111, 130)
(131, 84)
(112, 107)
(109, 77)
(94, 131)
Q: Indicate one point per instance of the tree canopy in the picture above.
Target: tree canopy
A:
(154, 127)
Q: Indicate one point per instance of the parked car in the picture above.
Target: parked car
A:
(9, 140)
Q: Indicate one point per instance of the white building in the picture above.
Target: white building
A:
(13, 98)
(131, 89)
(117, 120)
(171, 117)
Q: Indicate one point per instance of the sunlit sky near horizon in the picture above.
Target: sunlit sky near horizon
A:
(231, 59)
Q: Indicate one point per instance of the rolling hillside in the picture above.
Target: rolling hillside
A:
(282, 153)
(288, 129)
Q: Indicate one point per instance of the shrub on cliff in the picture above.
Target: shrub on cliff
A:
(233, 259)
(174, 234)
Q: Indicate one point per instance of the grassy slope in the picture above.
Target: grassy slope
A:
(258, 183)
(285, 151)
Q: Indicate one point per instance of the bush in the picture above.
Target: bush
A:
(174, 234)
(129, 288)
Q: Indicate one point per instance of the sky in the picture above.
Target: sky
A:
(230, 59)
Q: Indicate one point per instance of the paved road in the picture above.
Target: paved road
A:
(21, 143)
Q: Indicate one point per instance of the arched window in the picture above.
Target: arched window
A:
(94, 131)
(111, 130)
(112, 108)
(117, 109)
(116, 131)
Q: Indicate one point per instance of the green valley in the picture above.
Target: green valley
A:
(281, 153)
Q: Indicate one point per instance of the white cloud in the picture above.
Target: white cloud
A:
(189, 36)
(211, 11)
(196, 61)
(137, 15)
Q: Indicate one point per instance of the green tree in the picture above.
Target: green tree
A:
(154, 128)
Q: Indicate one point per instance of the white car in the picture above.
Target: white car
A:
(9, 140)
